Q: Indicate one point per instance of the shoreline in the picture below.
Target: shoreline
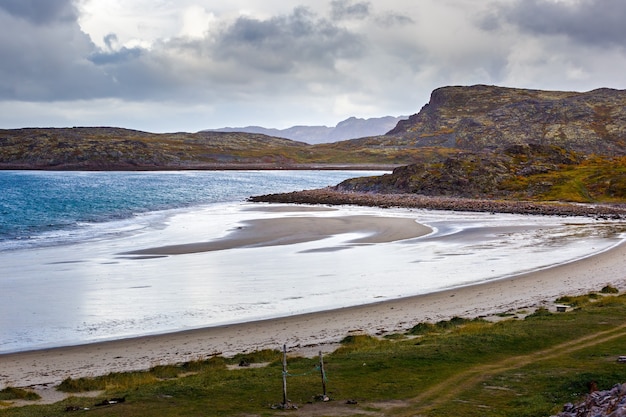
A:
(203, 167)
(319, 330)
(333, 196)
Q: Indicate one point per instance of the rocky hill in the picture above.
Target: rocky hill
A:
(350, 128)
(481, 116)
(107, 148)
(115, 148)
(521, 172)
(495, 142)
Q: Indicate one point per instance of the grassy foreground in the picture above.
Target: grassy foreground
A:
(524, 365)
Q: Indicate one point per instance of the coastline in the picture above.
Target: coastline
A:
(317, 331)
(217, 166)
(334, 196)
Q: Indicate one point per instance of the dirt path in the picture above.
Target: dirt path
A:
(446, 390)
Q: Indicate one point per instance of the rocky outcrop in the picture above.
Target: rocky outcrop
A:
(608, 403)
(481, 116)
(518, 172)
(332, 196)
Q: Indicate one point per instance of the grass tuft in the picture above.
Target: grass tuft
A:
(261, 356)
(11, 393)
(608, 289)
(539, 314)
(577, 301)
(112, 381)
(422, 328)
(71, 385)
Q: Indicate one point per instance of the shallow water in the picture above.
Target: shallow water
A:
(86, 291)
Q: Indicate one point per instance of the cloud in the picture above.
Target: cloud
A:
(557, 44)
(346, 9)
(124, 54)
(594, 22)
(44, 61)
(246, 62)
(301, 53)
(390, 19)
(60, 62)
(281, 43)
(40, 12)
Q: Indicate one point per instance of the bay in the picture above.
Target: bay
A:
(64, 278)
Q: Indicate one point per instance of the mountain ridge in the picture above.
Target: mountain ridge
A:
(350, 128)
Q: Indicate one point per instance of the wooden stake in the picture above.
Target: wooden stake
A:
(284, 375)
(323, 374)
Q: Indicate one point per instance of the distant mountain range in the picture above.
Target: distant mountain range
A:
(351, 128)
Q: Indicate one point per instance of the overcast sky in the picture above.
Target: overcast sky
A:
(187, 65)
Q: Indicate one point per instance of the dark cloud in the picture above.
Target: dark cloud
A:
(116, 57)
(45, 56)
(280, 43)
(110, 40)
(393, 19)
(40, 11)
(346, 9)
(589, 21)
(40, 62)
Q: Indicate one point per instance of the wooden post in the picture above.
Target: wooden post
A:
(284, 376)
(323, 374)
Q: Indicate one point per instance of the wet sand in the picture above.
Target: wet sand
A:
(291, 230)
(315, 331)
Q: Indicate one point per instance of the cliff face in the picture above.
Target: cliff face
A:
(480, 116)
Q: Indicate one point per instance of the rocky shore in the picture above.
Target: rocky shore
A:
(332, 196)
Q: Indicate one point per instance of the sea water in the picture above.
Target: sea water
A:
(65, 278)
(40, 208)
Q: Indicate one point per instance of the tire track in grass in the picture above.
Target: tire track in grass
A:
(448, 389)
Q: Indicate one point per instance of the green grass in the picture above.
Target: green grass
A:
(11, 393)
(512, 367)
(599, 179)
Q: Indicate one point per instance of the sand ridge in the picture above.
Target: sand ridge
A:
(291, 230)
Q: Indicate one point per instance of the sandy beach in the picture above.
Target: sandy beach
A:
(309, 333)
